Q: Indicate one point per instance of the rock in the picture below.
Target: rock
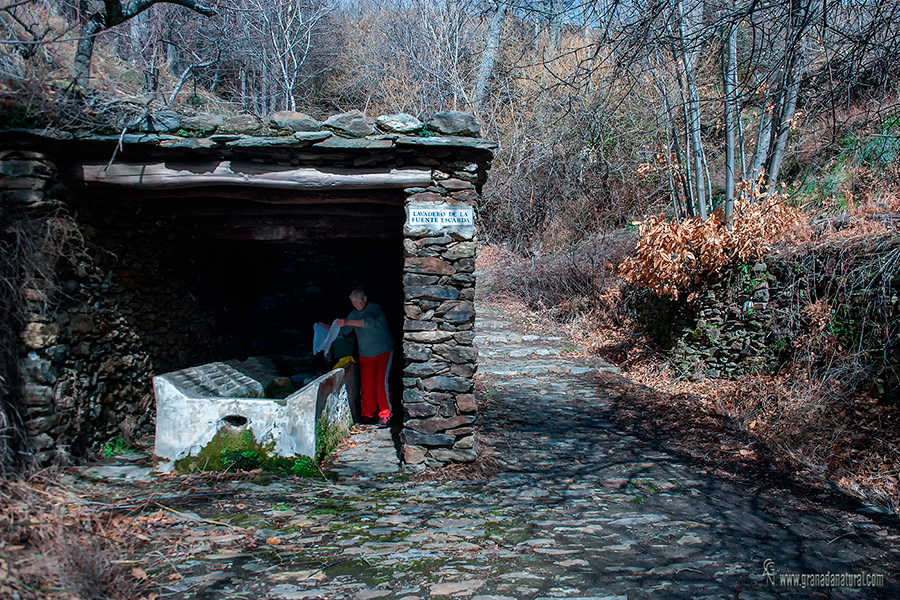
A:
(160, 121)
(57, 353)
(452, 122)
(293, 121)
(457, 354)
(428, 337)
(296, 140)
(426, 196)
(399, 123)
(450, 142)
(416, 351)
(409, 436)
(465, 443)
(420, 410)
(466, 403)
(224, 138)
(37, 395)
(44, 424)
(188, 143)
(448, 384)
(457, 184)
(413, 396)
(464, 312)
(761, 295)
(413, 455)
(436, 425)
(460, 250)
(412, 311)
(203, 122)
(39, 370)
(424, 369)
(414, 279)
(23, 197)
(42, 441)
(453, 455)
(81, 324)
(448, 409)
(413, 325)
(465, 338)
(428, 265)
(25, 168)
(22, 183)
(440, 240)
(40, 335)
(353, 123)
(465, 265)
(312, 136)
(342, 143)
(464, 370)
(241, 124)
(431, 292)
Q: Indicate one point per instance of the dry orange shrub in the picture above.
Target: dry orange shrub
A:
(674, 255)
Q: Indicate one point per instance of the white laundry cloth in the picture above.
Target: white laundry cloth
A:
(322, 337)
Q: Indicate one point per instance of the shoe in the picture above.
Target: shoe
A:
(384, 422)
(368, 420)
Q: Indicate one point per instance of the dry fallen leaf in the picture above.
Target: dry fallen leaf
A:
(139, 573)
(273, 541)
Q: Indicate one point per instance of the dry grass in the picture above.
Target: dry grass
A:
(55, 547)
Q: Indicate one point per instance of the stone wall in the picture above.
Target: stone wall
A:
(727, 331)
(123, 312)
(32, 235)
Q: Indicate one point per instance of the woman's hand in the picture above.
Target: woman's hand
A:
(341, 322)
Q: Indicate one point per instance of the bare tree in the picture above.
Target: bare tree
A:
(115, 13)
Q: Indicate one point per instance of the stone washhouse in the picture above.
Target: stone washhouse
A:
(157, 254)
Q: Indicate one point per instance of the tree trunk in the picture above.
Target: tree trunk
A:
(81, 69)
(763, 142)
(688, 25)
(489, 57)
(784, 129)
(729, 84)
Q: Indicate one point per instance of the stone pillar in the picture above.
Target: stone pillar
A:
(24, 178)
(439, 290)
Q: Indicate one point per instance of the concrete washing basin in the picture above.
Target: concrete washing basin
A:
(194, 404)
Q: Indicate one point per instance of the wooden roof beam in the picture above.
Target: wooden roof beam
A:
(187, 175)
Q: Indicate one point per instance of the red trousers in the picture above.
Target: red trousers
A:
(373, 375)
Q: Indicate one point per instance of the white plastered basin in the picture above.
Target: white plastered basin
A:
(194, 404)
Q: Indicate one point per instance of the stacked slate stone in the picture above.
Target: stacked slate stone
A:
(439, 286)
(27, 210)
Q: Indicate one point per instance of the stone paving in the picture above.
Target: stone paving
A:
(579, 510)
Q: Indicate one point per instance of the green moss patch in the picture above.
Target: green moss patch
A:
(237, 450)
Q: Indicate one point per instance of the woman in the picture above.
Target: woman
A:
(376, 350)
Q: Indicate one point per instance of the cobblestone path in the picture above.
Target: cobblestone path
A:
(580, 510)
